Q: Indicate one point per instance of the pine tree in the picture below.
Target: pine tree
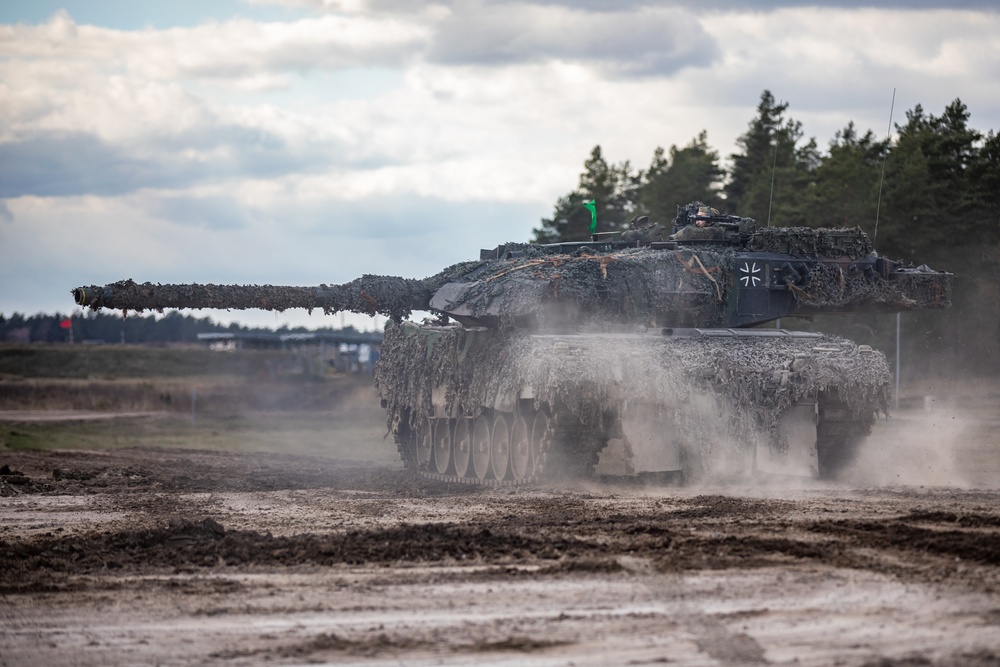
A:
(771, 156)
(847, 182)
(930, 201)
(690, 173)
(937, 212)
(615, 188)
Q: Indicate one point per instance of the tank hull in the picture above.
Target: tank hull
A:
(488, 407)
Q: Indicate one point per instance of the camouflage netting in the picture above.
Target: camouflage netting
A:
(832, 287)
(685, 287)
(752, 380)
(805, 241)
(924, 289)
(625, 286)
(602, 291)
(370, 294)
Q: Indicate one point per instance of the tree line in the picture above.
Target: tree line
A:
(113, 328)
(938, 204)
(934, 188)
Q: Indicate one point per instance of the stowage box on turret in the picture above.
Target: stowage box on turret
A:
(629, 357)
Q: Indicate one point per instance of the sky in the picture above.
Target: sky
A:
(302, 142)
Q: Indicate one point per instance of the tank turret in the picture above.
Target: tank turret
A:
(739, 279)
(629, 354)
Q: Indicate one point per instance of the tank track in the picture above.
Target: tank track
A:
(568, 449)
(485, 483)
(838, 435)
(559, 448)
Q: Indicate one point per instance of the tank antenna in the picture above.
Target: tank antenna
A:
(774, 164)
(770, 198)
(881, 178)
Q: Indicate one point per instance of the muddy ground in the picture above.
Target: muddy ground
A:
(195, 557)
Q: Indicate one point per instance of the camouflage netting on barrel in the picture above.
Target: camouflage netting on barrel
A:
(370, 294)
(752, 380)
(591, 290)
(805, 241)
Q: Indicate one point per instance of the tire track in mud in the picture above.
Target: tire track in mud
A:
(976, 546)
(559, 534)
(174, 471)
(382, 644)
(557, 529)
(711, 636)
(195, 524)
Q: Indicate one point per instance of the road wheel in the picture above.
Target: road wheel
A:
(462, 445)
(442, 445)
(500, 447)
(521, 463)
(481, 447)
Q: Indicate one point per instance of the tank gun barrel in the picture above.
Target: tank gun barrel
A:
(385, 295)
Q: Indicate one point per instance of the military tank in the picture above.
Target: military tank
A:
(633, 355)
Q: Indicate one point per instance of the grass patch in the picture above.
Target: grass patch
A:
(250, 400)
(212, 394)
(134, 361)
(356, 438)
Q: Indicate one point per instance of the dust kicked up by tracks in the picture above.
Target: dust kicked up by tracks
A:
(195, 557)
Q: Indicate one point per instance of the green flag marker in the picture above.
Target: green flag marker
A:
(592, 207)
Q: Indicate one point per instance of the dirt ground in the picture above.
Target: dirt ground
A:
(195, 557)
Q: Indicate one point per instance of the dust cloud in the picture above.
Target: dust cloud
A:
(945, 442)
(915, 448)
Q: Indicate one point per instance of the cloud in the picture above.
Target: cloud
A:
(424, 225)
(70, 164)
(229, 52)
(114, 136)
(75, 163)
(410, 6)
(212, 212)
(625, 39)
(242, 151)
(645, 41)
(839, 66)
(516, 89)
(57, 244)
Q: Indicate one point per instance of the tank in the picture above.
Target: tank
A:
(634, 355)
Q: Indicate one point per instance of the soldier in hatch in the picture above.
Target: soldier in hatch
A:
(697, 222)
(705, 217)
(642, 230)
(691, 214)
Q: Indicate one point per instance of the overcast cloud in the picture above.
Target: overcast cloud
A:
(308, 141)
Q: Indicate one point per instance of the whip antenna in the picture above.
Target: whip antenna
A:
(774, 164)
(881, 178)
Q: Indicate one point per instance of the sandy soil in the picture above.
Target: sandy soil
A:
(172, 557)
